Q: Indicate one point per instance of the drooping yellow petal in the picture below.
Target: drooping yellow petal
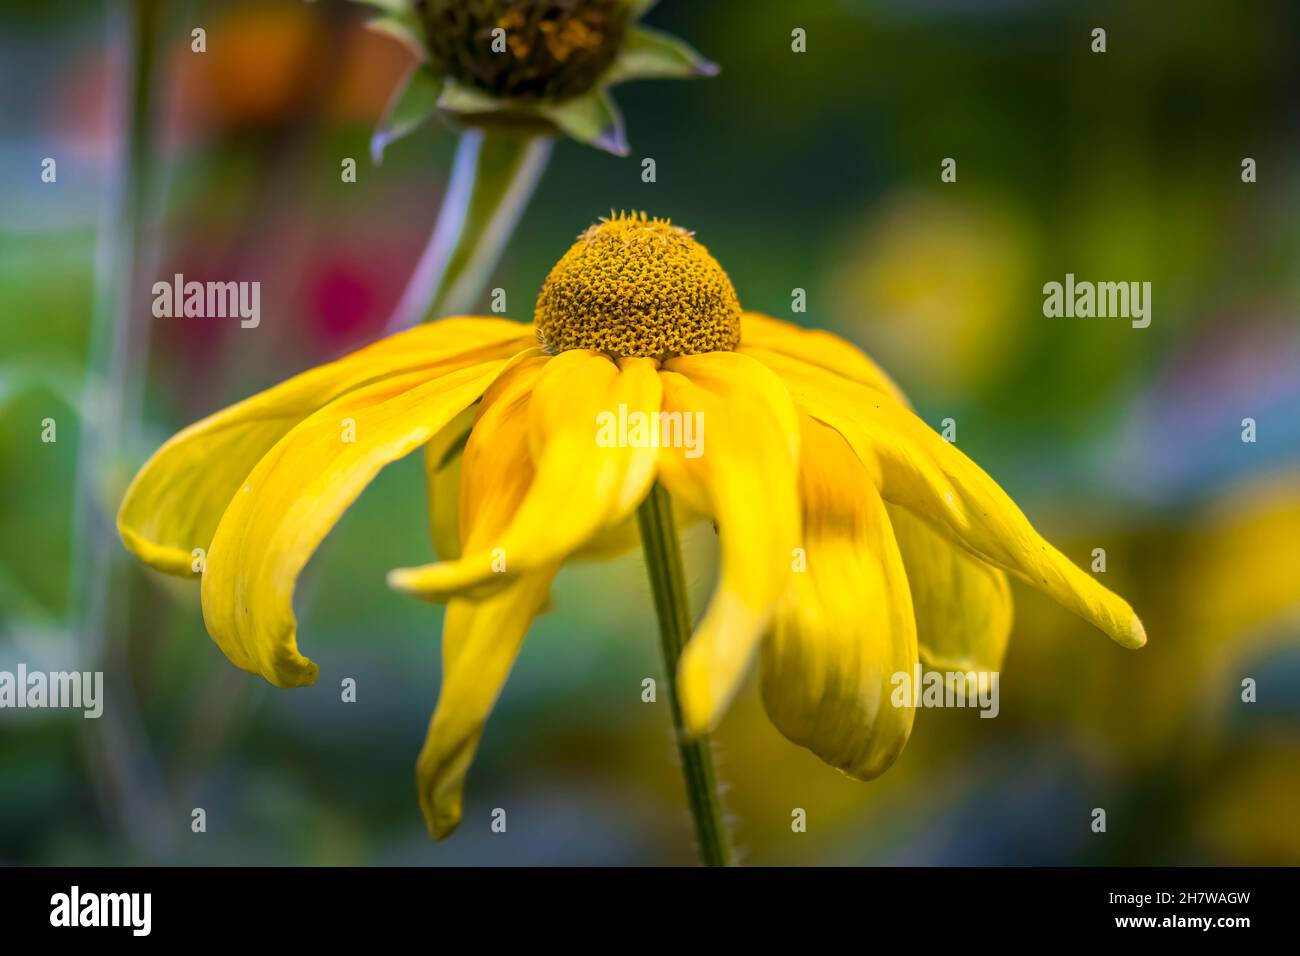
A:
(482, 634)
(444, 491)
(916, 468)
(442, 457)
(845, 628)
(297, 492)
(761, 335)
(744, 477)
(588, 474)
(176, 500)
(442, 475)
(496, 467)
(481, 639)
(963, 605)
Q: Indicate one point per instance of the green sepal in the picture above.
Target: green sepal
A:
(639, 8)
(401, 27)
(414, 104)
(459, 98)
(395, 8)
(651, 55)
(592, 118)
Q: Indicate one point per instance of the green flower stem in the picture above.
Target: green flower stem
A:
(492, 178)
(663, 558)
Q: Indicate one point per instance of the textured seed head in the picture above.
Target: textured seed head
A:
(637, 286)
(554, 49)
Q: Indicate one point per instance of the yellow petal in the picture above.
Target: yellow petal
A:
(481, 636)
(916, 468)
(497, 467)
(762, 335)
(582, 482)
(495, 471)
(745, 479)
(444, 494)
(845, 627)
(176, 500)
(296, 493)
(442, 457)
(963, 605)
(479, 644)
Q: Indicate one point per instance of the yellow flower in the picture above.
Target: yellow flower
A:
(853, 538)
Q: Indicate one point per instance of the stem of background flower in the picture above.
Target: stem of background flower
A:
(663, 558)
(492, 178)
(122, 770)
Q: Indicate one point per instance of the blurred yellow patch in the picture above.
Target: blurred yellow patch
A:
(934, 285)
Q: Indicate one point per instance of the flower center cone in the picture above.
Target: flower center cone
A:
(635, 286)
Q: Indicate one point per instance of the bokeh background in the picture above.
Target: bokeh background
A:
(818, 171)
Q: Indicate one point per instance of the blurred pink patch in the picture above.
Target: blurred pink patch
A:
(344, 303)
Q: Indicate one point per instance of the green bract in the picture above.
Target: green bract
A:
(543, 64)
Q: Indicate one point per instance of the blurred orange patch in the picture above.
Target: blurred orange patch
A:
(370, 68)
(264, 60)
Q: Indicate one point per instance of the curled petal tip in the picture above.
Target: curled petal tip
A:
(293, 671)
(1136, 635)
(418, 581)
(699, 713)
(401, 579)
(172, 561)
(443, 823)
(695, 721)
(437, 582)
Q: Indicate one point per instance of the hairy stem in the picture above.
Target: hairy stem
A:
(663, 558)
